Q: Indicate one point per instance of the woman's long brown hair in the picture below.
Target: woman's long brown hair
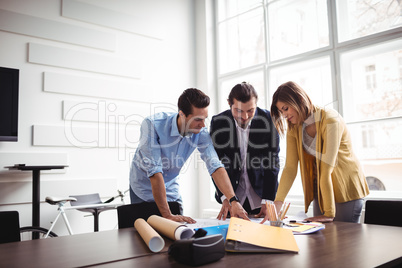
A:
(294, 96)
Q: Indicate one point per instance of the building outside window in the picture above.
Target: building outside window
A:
(371, 83)
(346, 54)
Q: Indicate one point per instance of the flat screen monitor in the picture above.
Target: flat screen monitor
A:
(9, 87)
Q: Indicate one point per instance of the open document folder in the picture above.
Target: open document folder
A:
(304, 228)
(248, 236)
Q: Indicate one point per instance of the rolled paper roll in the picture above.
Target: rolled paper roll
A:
(153, 240)
(171, 229)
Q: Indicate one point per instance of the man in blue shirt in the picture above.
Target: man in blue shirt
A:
(167, 140)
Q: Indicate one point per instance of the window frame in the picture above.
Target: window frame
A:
(333, 50)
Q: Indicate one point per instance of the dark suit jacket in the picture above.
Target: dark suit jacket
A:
(262, 152)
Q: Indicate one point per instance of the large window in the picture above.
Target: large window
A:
(347, 54)
(358, 18)
(296, 27)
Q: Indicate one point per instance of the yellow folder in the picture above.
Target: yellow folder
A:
(247, 236)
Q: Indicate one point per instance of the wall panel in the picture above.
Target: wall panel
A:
(79, 60)
(54, 30)
(109, 18)
(102, 111)
(96, 87)
(100, 136)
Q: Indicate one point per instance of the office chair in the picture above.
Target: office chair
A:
(127, 214)
(90, 199)
(9, 227)
(383, 212)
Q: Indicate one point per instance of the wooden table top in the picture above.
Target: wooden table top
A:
(340, 244)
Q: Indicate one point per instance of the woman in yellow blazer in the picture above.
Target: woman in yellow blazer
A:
(317, 139)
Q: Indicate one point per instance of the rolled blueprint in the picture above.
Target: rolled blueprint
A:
(171, 229)
(153, 240)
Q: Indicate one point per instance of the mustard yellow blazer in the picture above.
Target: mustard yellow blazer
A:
(340, 177)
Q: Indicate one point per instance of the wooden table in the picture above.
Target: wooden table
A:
(76, 250)
(339, 245)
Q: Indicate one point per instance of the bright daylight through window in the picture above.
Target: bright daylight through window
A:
(347, 55)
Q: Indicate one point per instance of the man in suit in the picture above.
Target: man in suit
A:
(247, 143)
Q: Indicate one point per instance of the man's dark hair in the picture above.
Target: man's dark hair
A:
(192, 97)
(242, 92)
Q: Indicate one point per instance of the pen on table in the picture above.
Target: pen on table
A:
(266, 207)
(275, 212)
(286, 210)
(282, 211)
(269, 211)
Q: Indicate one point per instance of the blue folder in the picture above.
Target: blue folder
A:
(218, 229)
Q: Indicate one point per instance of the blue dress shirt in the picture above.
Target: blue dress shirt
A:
(163, 149)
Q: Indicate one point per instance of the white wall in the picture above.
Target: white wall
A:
(90, 71)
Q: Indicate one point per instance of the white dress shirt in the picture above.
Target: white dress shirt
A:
(309, 143)
(244, 189)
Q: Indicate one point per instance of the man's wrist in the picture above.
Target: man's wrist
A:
(234, 199)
